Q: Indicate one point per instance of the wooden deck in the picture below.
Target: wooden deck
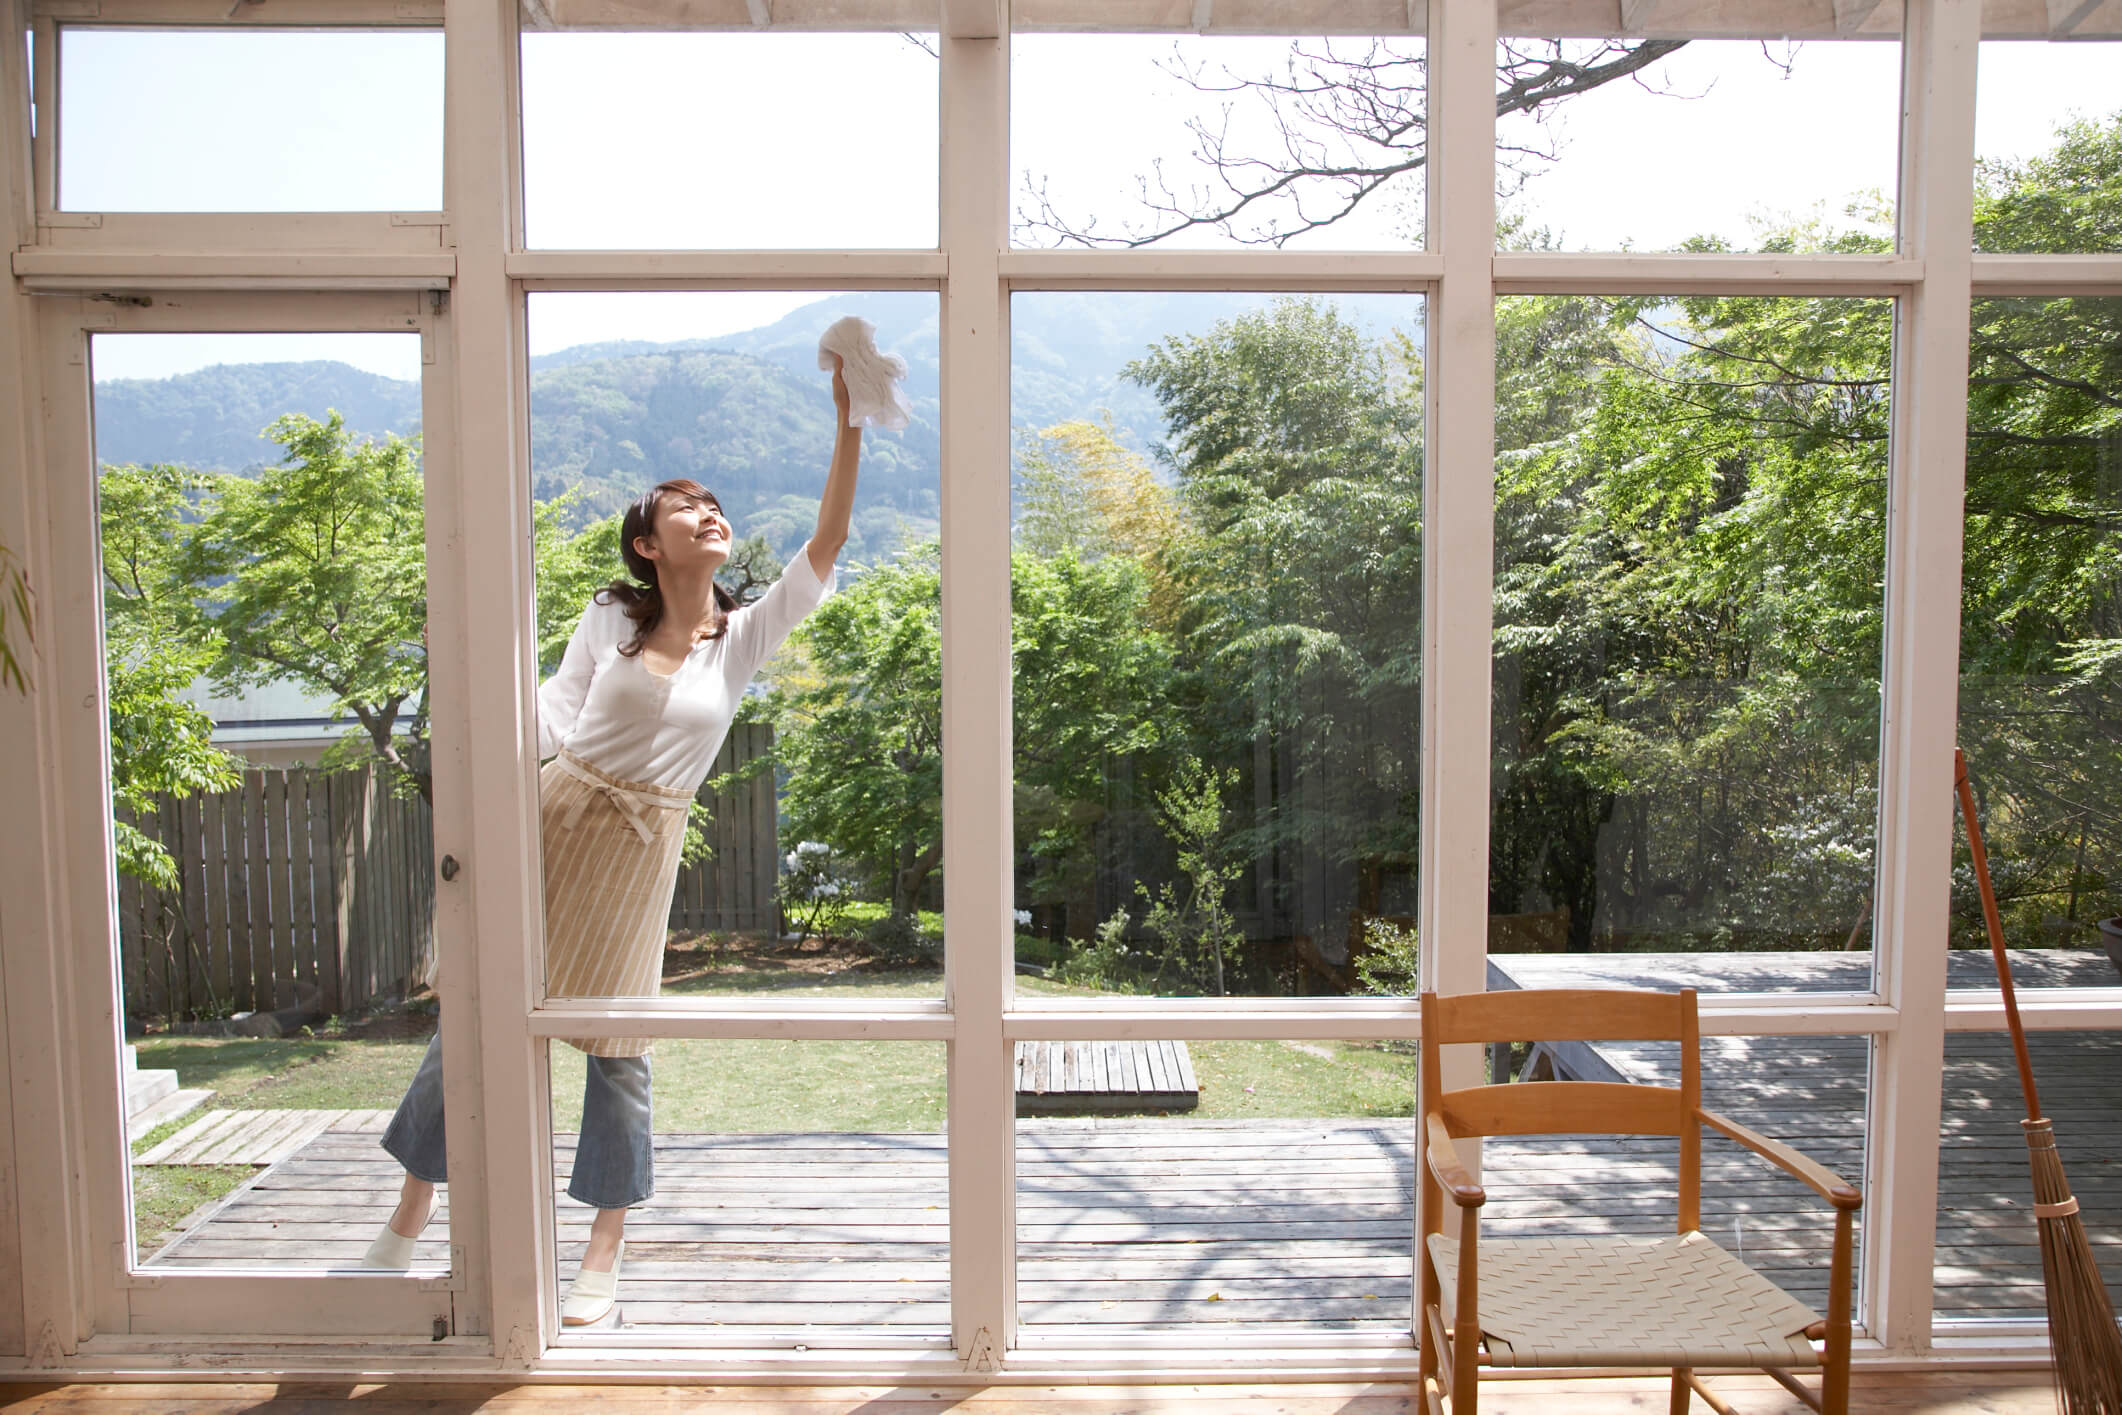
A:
(1811, 1092)
(1276, 1226)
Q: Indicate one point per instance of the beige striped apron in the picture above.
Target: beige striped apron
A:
(611, 861)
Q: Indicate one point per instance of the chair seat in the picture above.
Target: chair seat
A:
(1667, 1300)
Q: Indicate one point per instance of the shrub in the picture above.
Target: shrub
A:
(897, 940)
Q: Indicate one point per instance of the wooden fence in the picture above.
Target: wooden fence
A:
(327, 879)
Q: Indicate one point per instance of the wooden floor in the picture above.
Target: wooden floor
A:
(1956, 1393)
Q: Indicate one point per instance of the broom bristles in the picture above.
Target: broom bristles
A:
(2082, 1335)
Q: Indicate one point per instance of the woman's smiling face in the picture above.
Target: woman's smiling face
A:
(689, 530)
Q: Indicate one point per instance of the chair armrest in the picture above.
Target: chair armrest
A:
(1444, 1163)
(1817, 1177)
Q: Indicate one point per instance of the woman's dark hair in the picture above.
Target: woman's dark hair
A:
(644, 601)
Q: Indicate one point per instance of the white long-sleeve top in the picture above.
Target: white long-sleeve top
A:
(621, 716)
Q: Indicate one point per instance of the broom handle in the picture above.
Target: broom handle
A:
(1996, 931)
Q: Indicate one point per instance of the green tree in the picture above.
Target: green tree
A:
(861, 736)
(161, 746)
(859, 724)
(315, 571)
(1297, 451)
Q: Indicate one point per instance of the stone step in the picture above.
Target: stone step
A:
(171, 1106)
(145, 1088)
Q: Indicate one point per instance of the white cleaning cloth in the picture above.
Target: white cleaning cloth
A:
(874, 397)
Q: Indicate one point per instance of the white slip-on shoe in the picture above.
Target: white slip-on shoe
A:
(392, 1251)
(592, 1295)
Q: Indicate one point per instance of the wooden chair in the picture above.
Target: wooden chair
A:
(1611, 1301)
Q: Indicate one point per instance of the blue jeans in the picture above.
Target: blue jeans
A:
(615, 1162)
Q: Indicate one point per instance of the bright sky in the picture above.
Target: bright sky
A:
(693, 140)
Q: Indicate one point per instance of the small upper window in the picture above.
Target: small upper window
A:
(277, 120)
(1697, 144)
(729, 141)
(2048, 147)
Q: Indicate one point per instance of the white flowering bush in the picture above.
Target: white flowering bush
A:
(814, 893)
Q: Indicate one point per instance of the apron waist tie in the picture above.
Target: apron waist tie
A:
(632, 805)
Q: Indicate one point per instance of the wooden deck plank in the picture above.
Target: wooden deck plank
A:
(1168, 1230)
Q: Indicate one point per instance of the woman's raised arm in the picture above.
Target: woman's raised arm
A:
(837, 504)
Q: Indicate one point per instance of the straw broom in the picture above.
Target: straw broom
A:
(2082, 1336)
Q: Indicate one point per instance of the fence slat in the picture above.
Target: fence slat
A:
(257, 878)
(301, 869)
(279, 886)
(323, 889)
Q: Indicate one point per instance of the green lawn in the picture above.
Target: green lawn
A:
(745, 1086)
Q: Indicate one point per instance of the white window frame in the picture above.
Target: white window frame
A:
(121, 1300)
(76, 1310)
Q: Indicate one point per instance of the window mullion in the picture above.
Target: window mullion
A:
(977, 828)
(1458, 500)
(1921, 671)
(500, 1165)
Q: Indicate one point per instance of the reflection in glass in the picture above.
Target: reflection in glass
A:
(1216, 580)
(264, 593)
(1264, 1187)
(655, 141)
(813, 853)
(2041, 637)
(227, 120)
(1988, 1258)
(800, 1189)
(1690, 516)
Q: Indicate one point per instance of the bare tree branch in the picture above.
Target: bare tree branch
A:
(1342, 127)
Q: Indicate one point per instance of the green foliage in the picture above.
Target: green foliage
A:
(315, 571)
(1297, 452)
(1102, 963)
(15, 620)
(153, 650)
(861, 732)
(1195, 923)
(2066, 199)
(1390, 966)
(898, 940)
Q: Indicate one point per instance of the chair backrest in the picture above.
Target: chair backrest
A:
(1566, 1107)
(1561, 1107)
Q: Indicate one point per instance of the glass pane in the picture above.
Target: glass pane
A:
(1690, 519)
(797, 1192)
(812, 858)
(1808, 1092)
(281, 120)
(1218, 141)
(657, 141)
(1780, 142)
(270, 785)
(1988, 1264)
(2047, 128)
(1216, 579)
(2041, 640)
(1266, 1191)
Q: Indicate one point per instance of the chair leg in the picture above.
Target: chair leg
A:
(1683, 1394)
(1834, 1383)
